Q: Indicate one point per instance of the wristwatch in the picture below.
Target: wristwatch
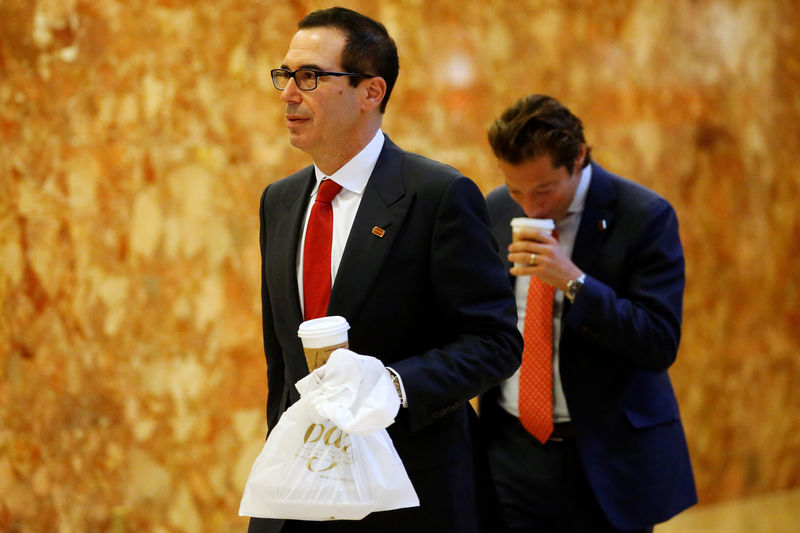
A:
(573, 286)
(396, 381)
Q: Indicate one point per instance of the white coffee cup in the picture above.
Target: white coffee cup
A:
(543, 225)
(320, 337)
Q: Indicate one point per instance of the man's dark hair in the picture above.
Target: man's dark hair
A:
(536, 125)
(368, 47)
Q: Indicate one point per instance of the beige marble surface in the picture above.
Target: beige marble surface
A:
(136, 137)
(777, 512)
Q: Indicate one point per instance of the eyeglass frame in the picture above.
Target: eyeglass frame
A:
(290, 74)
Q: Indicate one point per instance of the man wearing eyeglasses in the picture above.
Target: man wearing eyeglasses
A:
(413, 268)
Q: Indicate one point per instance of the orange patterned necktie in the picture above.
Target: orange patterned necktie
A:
(536, 373)
(317, 252)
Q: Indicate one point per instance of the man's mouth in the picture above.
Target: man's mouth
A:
(296, 120)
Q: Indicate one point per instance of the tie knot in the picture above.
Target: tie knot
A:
(328, 189)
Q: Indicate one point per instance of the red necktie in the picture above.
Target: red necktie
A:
(317, 252)
(536, 373)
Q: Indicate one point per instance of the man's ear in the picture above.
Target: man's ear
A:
(580, 158)
(375, 90)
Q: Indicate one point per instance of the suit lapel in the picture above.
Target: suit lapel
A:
(376, 225)
(288, 228)
(596, 220)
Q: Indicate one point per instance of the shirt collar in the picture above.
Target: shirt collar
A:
(579, 200)
(354, 174)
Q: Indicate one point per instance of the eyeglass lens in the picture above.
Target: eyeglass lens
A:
(306, 79)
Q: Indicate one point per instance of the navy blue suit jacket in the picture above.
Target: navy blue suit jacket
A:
(429, 297)
(618, 339)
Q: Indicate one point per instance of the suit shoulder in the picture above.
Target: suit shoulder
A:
(291, 181)
(502, 207)
(499, 196)
(639, 208)
(634, 194)
(416, 165)
(435, 180)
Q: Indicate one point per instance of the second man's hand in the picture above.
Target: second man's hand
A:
(549, 262)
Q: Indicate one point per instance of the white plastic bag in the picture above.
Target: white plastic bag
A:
(330, 457)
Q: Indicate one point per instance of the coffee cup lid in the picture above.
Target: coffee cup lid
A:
(535, 223)
(323, 328)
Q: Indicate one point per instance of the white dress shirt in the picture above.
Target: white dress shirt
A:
(353, 178)
(567, 230)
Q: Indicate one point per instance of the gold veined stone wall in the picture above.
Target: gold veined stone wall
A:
(136, 137)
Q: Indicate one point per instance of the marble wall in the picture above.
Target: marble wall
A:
(136, 137)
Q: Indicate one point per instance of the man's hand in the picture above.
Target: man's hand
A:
(548, 262)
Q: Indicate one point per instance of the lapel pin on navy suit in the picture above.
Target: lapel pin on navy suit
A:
(602, 225)
(378, 231)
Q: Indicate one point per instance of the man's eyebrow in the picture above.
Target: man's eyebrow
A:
(311, 66)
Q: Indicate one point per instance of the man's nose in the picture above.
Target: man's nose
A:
(291, 93)
(531, 206)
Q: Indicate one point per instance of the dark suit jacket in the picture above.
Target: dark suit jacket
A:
(617, 341)
(430, 298)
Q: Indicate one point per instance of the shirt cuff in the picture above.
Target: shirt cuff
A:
(399, 382)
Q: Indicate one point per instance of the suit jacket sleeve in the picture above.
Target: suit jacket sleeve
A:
(635, 311)
(272, 348)
(475, 300)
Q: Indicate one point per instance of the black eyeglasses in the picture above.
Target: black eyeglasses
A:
(305, 78)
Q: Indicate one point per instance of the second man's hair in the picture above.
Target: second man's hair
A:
(535, 125)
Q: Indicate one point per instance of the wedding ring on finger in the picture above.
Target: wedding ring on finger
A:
(532, 260)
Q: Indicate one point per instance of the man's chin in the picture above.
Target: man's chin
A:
(296, 140)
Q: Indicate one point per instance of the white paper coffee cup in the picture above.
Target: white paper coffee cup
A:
(320, 337)
(543, 225)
